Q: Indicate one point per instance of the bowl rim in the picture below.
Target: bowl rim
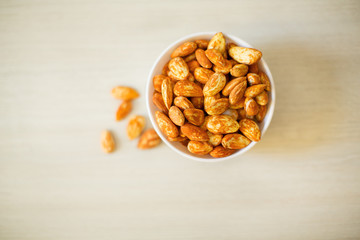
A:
(270, 110)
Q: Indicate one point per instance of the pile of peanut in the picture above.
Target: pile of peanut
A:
(211, 96)
(136, 125)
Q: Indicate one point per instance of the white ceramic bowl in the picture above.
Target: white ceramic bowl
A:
(157, 68)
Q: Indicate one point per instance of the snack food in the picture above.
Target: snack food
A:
(211, 96)
(135, 126)
(149, 139)
(107, 141)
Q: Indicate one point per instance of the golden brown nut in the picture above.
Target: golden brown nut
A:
(157, 81)
(192, 65)
(124, 93)
(186, 88)
(202, 74)
(198, 102)
(232, 84)
(222, 124)
(215, 57)
(183, 103)
(215, 84)
(149, 139)
(194, 132)
(123, 110)
(235, 141)
(253, 79)
(159, 102)
(254, 90)
(179, 68)
(214, 139)
(261, 114)
(203, 44)
(220, 152)
(254, 68)
(265, 80)
(135, 126)
(245, 55)
(166, 125)
(199, 148)
(184, 49)
(262, 98)
(194, 116)
(237, 94)
(239, 70)
(250, 129)
(251, 107)
(202, 59)
(218, 42)
(107, 142)
(167, 92)
(176, 116)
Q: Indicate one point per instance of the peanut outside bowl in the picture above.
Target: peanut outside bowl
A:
(151, 108)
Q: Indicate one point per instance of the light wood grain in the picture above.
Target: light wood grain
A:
(58, 62)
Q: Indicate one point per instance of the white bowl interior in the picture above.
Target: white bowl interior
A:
(157, 68)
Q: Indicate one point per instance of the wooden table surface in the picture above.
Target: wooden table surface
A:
(58, 62)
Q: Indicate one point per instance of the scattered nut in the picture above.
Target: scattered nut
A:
(107, 141)
(149, 139)
(135, 126)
